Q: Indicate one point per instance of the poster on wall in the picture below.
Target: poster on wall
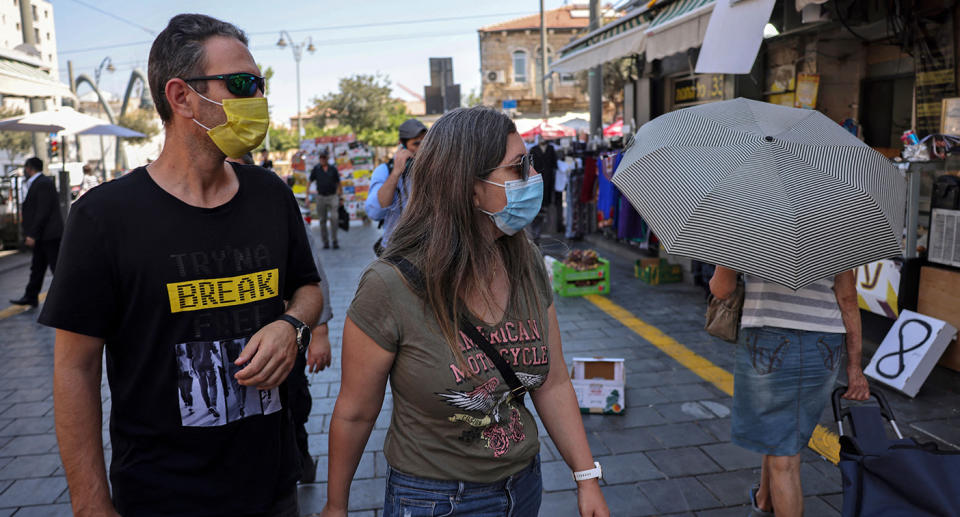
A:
(354, 162)
(808, 86)
(781, 85)
(936, 72)
(878, 286)
(909, 352)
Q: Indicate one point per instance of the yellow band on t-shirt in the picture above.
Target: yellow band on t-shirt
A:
(211, 293)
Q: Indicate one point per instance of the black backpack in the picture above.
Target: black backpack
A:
(946, 193)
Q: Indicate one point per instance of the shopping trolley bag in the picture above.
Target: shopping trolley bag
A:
(885, 477)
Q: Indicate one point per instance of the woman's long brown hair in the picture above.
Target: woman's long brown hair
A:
(440, 230)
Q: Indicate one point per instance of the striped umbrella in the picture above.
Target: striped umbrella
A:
(781, 193)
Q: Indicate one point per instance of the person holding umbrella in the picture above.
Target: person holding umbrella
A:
(787, 361)
(793, 202)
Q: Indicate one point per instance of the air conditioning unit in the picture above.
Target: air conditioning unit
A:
(496, 76)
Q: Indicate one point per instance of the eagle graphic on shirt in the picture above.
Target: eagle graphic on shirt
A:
(497, 432)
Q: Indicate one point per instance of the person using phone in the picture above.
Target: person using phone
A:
(389, 184)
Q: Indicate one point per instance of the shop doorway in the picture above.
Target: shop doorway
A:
(886, 109)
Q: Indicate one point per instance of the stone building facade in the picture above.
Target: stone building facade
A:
(510, 61)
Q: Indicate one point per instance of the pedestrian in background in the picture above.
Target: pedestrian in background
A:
(265, 160)
(389, 185)
(789, 354)
(326, 177)
(90, 180)
(461, 440)
(42, 226)
(316, 358)
(137, 253)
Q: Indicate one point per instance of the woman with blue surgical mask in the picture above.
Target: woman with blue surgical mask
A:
(458, 315)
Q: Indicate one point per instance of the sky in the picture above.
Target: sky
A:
(396, 39)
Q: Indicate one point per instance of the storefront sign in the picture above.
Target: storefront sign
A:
(878, 286)
(936, 73)
(708, 87)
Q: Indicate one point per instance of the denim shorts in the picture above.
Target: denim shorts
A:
(782, 382)
(516, 496)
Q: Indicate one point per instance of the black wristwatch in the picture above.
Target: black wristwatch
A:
(303, 331)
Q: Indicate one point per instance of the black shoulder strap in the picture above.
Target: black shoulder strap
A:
(412, 274)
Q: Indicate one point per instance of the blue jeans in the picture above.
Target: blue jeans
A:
(515, 496)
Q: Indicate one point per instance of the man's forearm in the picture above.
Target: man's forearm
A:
(78, 416)
(388, 189)
(306, 304)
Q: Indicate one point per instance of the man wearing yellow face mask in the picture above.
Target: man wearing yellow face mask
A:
(181, 270)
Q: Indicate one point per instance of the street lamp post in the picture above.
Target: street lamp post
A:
(108, 64)
(297, 54)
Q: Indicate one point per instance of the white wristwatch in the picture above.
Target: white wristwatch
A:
(583, 475)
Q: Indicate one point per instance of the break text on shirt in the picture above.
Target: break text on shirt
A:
(233, 279)
(510, 338)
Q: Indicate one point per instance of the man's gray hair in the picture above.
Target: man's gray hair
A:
(178, 52)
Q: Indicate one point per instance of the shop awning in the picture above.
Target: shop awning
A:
(619, 38)
(680, 26)
(733, 37)
(22, 80)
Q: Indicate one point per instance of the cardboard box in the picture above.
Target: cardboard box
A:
(909, 352)
(599, 383)
(940, 298)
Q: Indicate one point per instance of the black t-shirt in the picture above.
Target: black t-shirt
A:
(326, 177)
(176, 291)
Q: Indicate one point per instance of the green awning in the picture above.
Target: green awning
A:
(622, 37)
(678, 27)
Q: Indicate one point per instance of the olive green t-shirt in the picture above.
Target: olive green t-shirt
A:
(446, 424)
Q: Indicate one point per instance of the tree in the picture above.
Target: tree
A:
(474, 98)
(363, 102)
(15, 143)
(616, 73)
(267, 75)
(144, 121)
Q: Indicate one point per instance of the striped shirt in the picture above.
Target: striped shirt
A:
(812, 308)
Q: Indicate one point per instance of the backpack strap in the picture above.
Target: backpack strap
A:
(415, 278)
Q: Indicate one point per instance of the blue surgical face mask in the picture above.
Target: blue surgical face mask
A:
(524, 198)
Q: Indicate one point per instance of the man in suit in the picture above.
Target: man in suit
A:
(42, 227)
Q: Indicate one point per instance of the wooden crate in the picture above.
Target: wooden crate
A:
(940, 298)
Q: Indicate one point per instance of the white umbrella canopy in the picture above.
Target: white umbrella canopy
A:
(66, 121)
(781, 193)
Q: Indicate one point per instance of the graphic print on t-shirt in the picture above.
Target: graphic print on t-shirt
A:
(500, 424)
(209, 393)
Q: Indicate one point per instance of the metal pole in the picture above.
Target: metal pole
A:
(595, 78)
(299, 115)
(913, 210)
(544, 103)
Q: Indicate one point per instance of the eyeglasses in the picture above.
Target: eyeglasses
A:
(241, 84)
(522, 167)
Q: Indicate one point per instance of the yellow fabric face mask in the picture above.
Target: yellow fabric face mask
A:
(247, 122)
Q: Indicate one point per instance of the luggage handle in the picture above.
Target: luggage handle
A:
(840, 412)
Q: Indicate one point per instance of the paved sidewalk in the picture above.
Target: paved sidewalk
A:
(668, 455)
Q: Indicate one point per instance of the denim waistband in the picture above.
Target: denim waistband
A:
(403, 479)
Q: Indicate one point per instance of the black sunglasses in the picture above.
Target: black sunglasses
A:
(241, 84)
(522, 167)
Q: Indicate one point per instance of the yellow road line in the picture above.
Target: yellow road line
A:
(824, 442)
(17, 309)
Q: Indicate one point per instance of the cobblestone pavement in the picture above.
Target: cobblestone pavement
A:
(668, 455)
